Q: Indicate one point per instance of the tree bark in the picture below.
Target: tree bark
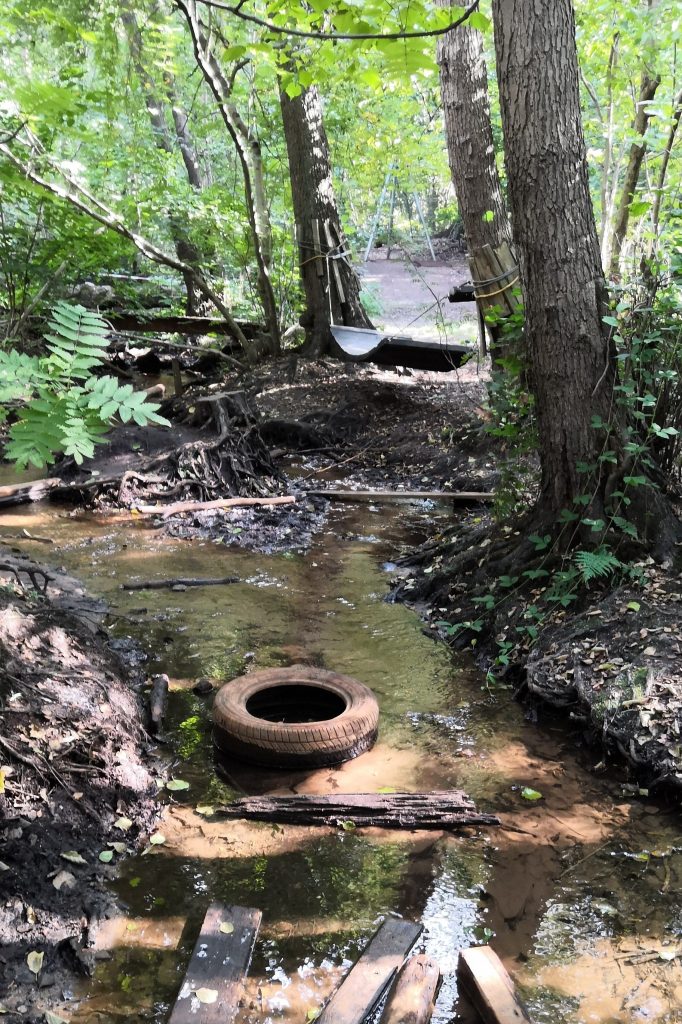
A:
(647, 90)
(331, 286)
(469, 135)
(571, 357)
(471, 154)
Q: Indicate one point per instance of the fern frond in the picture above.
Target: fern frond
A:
(599, 563)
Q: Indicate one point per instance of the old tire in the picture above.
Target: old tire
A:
(297, 717)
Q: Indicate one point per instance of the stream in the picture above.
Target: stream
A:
(580, 900)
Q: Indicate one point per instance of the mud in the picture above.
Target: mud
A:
(72, 764)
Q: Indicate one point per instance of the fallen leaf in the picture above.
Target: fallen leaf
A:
(4, 867)
(106, 856)
(174, 785)
(206, 810)
(118, 847)
(35, 961)
(54, 1018)
(158, 839)
(64, 880)
(206, 995)
(74, 857)
(227, 927)
(384, 789)
(123, 823)
(530, 794)
(668, 954)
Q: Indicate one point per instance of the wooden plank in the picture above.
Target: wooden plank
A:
(367, 980)
(334, 264)
(459, 497)
(413, 993)
(317, 248)
(437, 810)
(219, 964)
(489, 987)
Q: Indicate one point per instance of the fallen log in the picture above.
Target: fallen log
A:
(158, 701)
(202, 506)
(437, 810)
(34, 490)
(190, 325)
(488, 985)
(181, 581)
(457, 497)
(213, 985)
(365, 983)
(413, 993)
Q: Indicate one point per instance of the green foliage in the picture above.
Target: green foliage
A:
(594, 564)
(67, 409)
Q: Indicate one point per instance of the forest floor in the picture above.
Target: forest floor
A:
(76, 784)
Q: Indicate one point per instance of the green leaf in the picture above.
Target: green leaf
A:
(227, 928)
(478, 20)
(633, 606)
(206, 995)
(531, 794)
(158, 839)
(106, 856)
(175, 785)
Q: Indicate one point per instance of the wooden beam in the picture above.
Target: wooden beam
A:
(458, 497)
(413, 993)
(367, 980)
(438, 810)
(218, 966)
(202, 506)
(489, 987)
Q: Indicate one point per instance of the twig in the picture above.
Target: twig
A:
(201, 506)
(181, 581)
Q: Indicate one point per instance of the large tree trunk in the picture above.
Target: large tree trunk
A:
(471, 154)
(572, 357)
(469, 135)
(571, 360)
(331, 286)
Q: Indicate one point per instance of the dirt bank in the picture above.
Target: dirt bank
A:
(76, 791)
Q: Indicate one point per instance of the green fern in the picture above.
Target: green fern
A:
(68, 409)
(594, 564)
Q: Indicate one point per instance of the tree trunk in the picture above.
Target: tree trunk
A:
(185, 248)
(331, 286)
(647, 91)
(469, 135)
(471, 154)
(571, 358)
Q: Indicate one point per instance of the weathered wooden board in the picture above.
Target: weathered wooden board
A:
(413, 993)
(438, 810)
(218, 966)
(489, 987)
(459, 497)
(367, 980)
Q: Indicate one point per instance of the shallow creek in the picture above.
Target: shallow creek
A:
(581, 901)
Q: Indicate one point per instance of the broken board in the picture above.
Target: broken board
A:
(219, 963)
(488, 985)
(437, 810)
(367, 980)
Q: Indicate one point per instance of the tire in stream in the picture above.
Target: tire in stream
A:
(297, 717)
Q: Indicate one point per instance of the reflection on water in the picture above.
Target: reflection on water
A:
(564, 913)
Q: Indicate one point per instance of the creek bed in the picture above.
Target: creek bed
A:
(586, 884)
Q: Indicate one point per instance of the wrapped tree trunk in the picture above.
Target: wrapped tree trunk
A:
(331, 286)
(471, 154)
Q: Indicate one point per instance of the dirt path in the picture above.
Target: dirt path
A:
(404, 289)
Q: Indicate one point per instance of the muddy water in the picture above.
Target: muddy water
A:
(581, 898)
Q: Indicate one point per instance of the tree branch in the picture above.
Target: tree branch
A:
(303, 34)
(95, 209)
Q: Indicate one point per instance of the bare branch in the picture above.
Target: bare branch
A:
(303, 34)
